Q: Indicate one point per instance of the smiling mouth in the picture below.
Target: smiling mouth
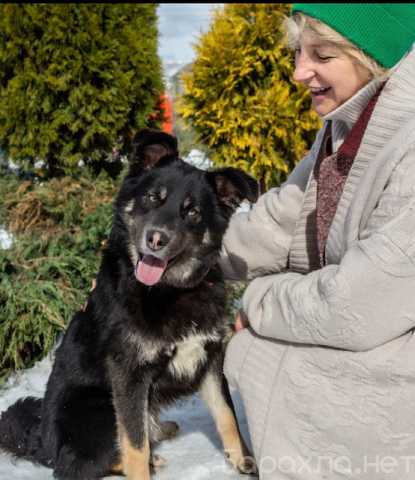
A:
(319, 91)
(150, 269)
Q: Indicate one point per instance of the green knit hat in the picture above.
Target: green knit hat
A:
(384, 31)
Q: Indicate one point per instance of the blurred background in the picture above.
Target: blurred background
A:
(180, 25)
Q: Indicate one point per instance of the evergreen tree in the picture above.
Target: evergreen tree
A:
(240, 98)
(76, 81)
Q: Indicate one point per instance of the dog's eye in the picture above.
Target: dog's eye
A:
(193, 212)
(153, 197)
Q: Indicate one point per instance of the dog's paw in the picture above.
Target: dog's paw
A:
(160, 431)
(157, 462)
(168, 430)
(247, 466)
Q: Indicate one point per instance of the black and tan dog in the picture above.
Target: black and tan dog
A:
(153, 330)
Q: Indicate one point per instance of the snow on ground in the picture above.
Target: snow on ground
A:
(6, 239)
(198, 159)
(195, 454)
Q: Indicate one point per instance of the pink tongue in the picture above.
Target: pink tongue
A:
(150, 269)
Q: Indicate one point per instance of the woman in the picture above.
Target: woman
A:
(326, 369)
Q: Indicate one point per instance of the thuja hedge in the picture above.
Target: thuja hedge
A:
(59, 229)
(76, 81)
(239, 95)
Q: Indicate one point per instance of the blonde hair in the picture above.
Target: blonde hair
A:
(299, 23)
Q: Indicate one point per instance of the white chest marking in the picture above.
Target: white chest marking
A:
(190, 352)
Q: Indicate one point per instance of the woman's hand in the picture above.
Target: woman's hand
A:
(241, 321)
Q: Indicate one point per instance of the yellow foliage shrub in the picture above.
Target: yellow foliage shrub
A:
(240, 98)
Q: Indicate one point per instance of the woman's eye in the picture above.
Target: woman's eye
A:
(323, 57)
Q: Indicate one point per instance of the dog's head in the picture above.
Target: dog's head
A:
(173, 214)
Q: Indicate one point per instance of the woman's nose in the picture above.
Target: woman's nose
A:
(304, 71)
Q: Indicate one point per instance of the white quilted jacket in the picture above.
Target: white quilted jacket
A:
(327, 372)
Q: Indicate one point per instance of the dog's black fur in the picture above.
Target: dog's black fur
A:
(137, 348)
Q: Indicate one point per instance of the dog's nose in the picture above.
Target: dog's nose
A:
(156, 240)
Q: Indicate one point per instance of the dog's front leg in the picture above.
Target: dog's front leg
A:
(135, 455)
(215, 392)
(131, 393)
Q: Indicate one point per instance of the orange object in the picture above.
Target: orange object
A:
(166, 106)
(164, 112)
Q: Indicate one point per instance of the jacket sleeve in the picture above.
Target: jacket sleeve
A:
(257, 242)
(365, 301)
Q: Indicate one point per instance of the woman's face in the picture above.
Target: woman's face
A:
(331, 76)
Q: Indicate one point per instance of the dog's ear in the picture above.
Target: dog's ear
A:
(150, 146)
(232, 186)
